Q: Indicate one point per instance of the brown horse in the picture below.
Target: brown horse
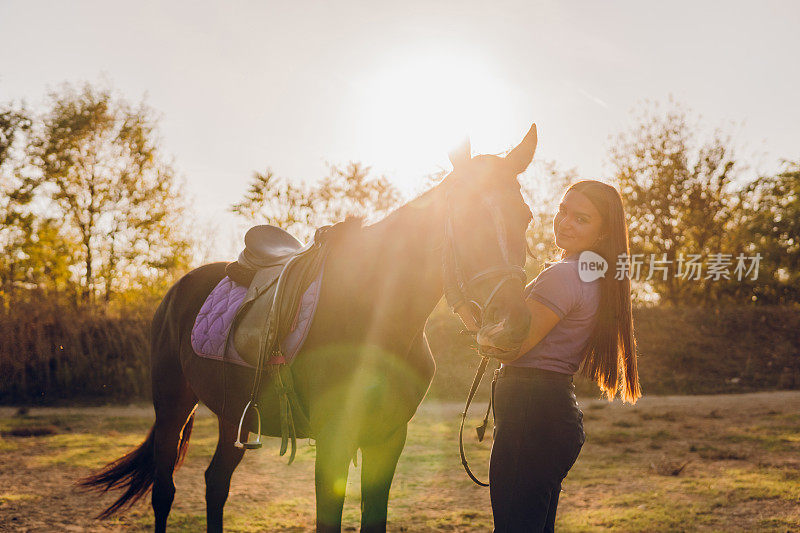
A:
(365, 365)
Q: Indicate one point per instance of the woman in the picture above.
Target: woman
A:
(575, 324)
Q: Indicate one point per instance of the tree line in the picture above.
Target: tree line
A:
(89, 204)
(91, 208)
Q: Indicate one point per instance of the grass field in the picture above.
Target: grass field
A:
(741, 473)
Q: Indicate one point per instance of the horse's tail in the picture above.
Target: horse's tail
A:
(134, 472)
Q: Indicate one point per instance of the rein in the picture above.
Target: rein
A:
(457, 293)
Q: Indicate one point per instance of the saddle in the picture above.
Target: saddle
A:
(277, 270)
(265, 246)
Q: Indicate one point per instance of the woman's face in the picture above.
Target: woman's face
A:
(577, 225)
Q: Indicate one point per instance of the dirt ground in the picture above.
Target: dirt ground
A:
(688, 463)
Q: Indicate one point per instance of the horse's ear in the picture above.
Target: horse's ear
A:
(521, 156)
(462, 154)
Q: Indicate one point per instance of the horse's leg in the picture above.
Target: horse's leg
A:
(218, 474)
(173, 401)
(377, 470)
(171, 418)
(335, 450)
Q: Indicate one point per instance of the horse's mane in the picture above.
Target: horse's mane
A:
(350, 225)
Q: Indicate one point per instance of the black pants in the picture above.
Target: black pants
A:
(538, 436)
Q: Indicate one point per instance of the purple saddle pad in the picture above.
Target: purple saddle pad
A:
(213, 323)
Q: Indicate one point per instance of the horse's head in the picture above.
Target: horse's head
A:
(485, 245)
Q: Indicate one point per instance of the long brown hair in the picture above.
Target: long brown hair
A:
(609, 358)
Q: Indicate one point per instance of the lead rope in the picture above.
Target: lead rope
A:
(481, 430)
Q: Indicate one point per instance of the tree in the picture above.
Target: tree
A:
(15, 192)
(351, 192)
(677, 195)
(110, 186)
(14, 123)
(275, 201)
(300, 209)
(770, 226)
(35, 255)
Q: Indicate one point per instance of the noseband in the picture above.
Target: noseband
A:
(458, 289)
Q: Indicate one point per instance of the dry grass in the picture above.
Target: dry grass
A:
(740, 457)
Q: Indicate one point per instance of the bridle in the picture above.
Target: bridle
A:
(458, 288)
(458, 292)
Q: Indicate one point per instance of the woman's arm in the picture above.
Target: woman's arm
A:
(543, 319)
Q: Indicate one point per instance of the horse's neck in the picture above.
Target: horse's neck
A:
(395, 265)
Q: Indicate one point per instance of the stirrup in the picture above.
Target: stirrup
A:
(249, 445)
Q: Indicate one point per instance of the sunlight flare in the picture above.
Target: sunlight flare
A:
(414, 110)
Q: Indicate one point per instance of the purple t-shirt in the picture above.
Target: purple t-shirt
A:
(560, 288)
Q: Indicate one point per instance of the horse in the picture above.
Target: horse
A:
(365, 365)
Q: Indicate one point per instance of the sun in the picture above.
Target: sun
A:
(413, 110)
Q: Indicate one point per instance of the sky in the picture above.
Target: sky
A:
(295, 86)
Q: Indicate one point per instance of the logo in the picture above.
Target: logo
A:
(591, 266)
